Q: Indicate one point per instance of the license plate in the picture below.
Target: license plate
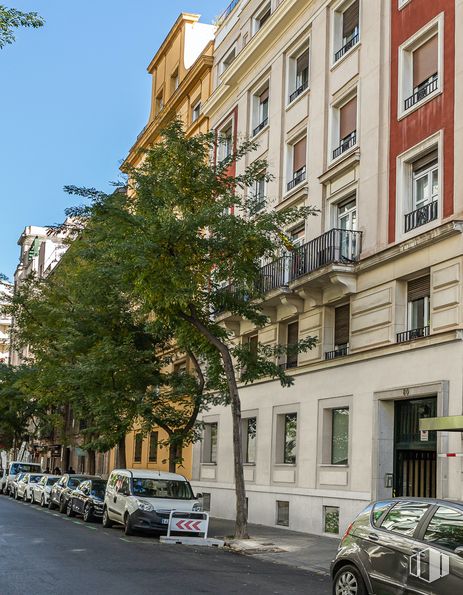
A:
(164, 521)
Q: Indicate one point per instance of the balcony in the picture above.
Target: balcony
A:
(422, 91)
(298, 177)
(260, 127)
(226, 12)
(421, 216)
(337, 246)
(347, 46)
(340, 352)
(295, 94)
(346, 143)
(416, 333)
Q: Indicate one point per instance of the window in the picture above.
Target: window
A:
(341, 332)
(445, 529)
(153, 453)
(404, 518)
(292, 338)
(258, 194)
(195, 110)
(174, 81)
(137, 448)
(331, 519)
(340, 436)
(282, 513)
(206, 501)
(260, 111)
(261, 17)
(298, 163)
(290, 436)
(253, 344)
(299, 74)
(425, 191)
(180, 368)
(418, 292)
(378, 511)
(347, 224)
(159, 105)
(228, 59)
(210, 443)
(346, 28)
(345, 120)
(420, 67)
(249, 435)
(225, 142)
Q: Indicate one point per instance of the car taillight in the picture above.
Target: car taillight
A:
(348, 530)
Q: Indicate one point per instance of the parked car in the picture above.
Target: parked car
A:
(61, 490)
(402, 545)
(13, 485)
(87, 499)
(24, 487)
(41, 490)
(15, 467)
(142, 499)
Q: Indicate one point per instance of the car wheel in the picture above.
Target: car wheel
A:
(62, 505)
(348, 581)
(107, 522)
(69, 511)
(127, 525)
(51, 504)
(88, 516)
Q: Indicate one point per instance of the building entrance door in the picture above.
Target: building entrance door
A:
(414, 451)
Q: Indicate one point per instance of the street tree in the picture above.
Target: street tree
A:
(191, 237)
(11, 19)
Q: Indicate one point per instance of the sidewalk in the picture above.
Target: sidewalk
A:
(301, 550)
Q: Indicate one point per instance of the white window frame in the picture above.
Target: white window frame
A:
(335, 122)
(290, 159)
(405, 71)
(279, 434)
(195, 106)
(263, 9)
(404, 180)
(206, 450)
(245, 417)
(427, 314)
(403, 3)
(225, 62)
(325, 434)
(336, 31)
(292, 72)
(221, 146)
(257, 116)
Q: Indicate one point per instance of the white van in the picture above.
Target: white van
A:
(15, 468)
(141, 499)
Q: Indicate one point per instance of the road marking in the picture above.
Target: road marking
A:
(123, 539)
(56, 514)
(77, 522)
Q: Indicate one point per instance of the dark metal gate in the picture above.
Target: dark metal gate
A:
(414, 452)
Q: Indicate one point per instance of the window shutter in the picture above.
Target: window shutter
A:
(419, 288)
(425, 61)
(350, 19)
(299, 154)
(348, 118)
(341, 325)
(425, 162)
(263, 96)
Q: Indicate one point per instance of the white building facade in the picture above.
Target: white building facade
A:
(358, 114)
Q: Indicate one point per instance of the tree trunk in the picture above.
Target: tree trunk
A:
(241, 523)
(121, 458)
(91, 462)
(172, 457)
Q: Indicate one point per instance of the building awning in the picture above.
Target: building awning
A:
(453, 423)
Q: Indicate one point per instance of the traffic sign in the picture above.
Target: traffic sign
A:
(188, 522)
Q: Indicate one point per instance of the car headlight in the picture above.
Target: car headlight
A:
(143, 505)
(197, 507)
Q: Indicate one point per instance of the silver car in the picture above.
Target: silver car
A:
(402, 545)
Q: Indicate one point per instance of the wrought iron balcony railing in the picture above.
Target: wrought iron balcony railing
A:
(346, 47)
(346, 143)
(226, 12)
(422, 91)
(421, 216)
(341, 352)
(260, 127)
(416, 333)
(298, 177)
(298, 91)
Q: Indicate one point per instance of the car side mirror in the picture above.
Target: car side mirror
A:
(459, 551)
(198, 496)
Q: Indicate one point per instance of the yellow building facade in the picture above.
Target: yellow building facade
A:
(181, 72)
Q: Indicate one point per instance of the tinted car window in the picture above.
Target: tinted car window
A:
(51, 480)
(404, 517)
(379, 508)
(162, 488)
(74, 482)
(445, 528)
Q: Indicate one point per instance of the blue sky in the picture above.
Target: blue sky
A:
(74, 95)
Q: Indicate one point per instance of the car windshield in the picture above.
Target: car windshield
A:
(23, 468)
(34, 478)
(74, 481)
(162, 488)
(98, 489)
(52, 480)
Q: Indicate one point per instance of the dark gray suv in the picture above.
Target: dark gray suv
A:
(402, 545)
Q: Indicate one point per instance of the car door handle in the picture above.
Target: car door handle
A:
(373, 536)
(115, 499)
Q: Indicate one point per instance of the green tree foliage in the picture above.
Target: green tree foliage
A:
(190, 241)
(11, 19)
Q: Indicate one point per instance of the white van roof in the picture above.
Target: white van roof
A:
(149, 474)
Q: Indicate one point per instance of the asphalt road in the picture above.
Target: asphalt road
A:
(43, 552)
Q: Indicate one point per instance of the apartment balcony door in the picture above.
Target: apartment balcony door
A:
(415, 453)
(347, 221)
